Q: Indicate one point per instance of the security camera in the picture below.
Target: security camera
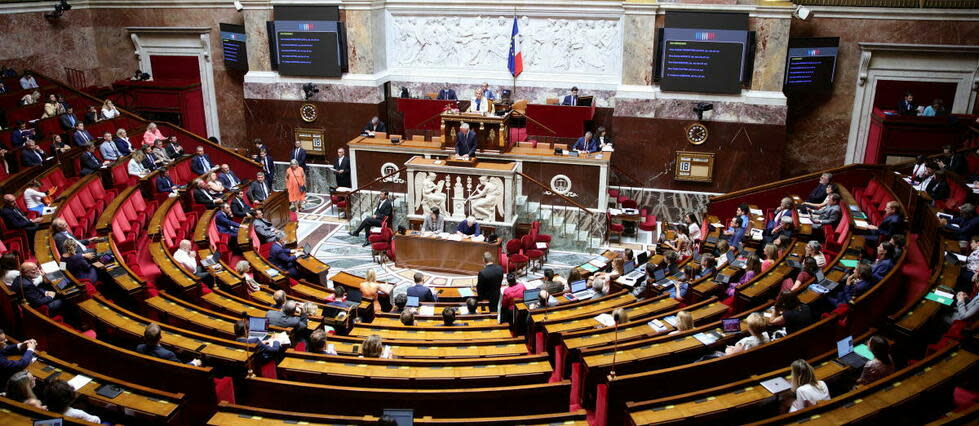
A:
(239, 6)
(802, 13)
(310, 89)
(59, 9)
(700, 108)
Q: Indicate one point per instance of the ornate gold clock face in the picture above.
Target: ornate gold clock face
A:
(309, 112)
(696, 133)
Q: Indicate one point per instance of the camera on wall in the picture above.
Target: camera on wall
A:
(700, 108)
(59, 9)
(310, 89)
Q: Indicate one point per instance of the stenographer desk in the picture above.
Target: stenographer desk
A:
(431, 253)
(583, 179)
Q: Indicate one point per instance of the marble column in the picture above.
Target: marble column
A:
(638, 45)
(771, 46)
(258, 46)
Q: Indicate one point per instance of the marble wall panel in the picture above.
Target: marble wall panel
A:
(360, 45)
(639, 49)
(258, 46)
(275, 122)
(771, 45)
(536, 95)
(71, 43)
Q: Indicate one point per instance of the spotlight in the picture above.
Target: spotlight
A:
(309, 89)
(238, 6)
(802, 13)
(700, 108)
(59, 9)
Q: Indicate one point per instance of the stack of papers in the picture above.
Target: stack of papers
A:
(466, 292)
(589, 267)
(426, 310)
(605, 320)
(533, 285)
(776, 385)
(706, 338)
(940, 297)
(671, 320)
(79, 381)
(755, 212)
(599, 261)
(657, 326)
(805, 220)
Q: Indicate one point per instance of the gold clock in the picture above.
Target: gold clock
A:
(696, 133)
(309, 112)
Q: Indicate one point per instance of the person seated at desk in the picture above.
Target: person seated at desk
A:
(446, 94)
(25, 349)
(434, 221)
(829, 215)
(27, 81)
(292, 316)
(201, 163)
(449, 318)
(884, 263)
(20, 135)
(680, 285)
(571, 99)
(383, 211)
(213, 183)
(468, 227)
(785, 209)
(135, 167)
(224, 223)
(424, 294)
(204, 196)
(373, 347)
(265, 350)
(259, 190)
(408, 317)
(735, 232)
(965, 309)
(150, 161)
(602, 138)
(239, 209)
(62, 237)
(964, 226)
(553, 284)
(174, 150)
(893, 223)
(757, 335)
(152, 336)
(151, 135)
(58, 396)
(374, 126)
(122, 142)
(108, 148)
(160, 152)
(31, 155)
(78, 266)
(466, 142)
(936, 109)
(319, 345)
(263, 227)
(830, 189)
(186, 256)
(856, 284)
(586, 143)
(818, 194)
(31, 285)
(82, 137)
(907, 105)
(16, 219)
(34, 197)
(479, 104)
(282, 257)
(370, 288)
(708, 266)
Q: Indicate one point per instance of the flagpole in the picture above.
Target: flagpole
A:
(513, 93)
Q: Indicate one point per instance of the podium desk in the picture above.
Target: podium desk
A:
(560, 121)
(464, 257)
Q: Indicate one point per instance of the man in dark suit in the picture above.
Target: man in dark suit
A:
(122, 142)
(62, 236)
(341, 167)
(201, 163)
(224, 223)
(239, 208)
(268, 166)
(891, 224)
(30, 284)
(150, 160)
(907, 106)
(299, 154)
(488, 282)
(164, 183)
(151, 346)
(830, 214)
(424, 294)
(375, 125)
(174, 150)
(82, 137)
(586, 143)
(282, 257)
(259, 190)
(203, 196)
(228, 177)
(601, 137)
(20, 136)
(89, 162)
(466, 141)
(447, 94)
(818, 194)
(68, 119)
(383, 211)
(938, 188)
(14, 218)
(955, 162)
(31, 155)
(571, 99)
(291, 316)
(24, 349)
(469, 227)
(962, 227)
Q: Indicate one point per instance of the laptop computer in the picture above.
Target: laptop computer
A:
(258, 327)
(212, 260)
(580, 290)
(402, 417)
(731, 325)
(531, 298)
(794, 264)
(659, 274)
(412, 302)
(628, 267)
(307, 250)
(819, 275)
(723, 278)
(844, 350)
(642, 257)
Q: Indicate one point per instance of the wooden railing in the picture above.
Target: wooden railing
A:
(933, 4)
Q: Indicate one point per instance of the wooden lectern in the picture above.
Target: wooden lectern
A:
(492, 132)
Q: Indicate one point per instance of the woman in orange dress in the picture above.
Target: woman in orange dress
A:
(296, 185)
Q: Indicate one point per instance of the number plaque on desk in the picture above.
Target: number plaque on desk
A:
(312, 140)
(694, 166)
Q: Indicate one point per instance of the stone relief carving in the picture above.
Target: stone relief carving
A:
(428, 193)
(487, 199)
(549, 45)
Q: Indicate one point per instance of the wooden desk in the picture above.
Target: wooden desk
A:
(463, 257)
(432, 333)
(492, 132)
(236, 415)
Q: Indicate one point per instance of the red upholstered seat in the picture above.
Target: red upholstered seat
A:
(529, 249)
(629, 204)
(649, 221)
(516, 260)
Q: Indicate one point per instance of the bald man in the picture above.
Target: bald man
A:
(15, 218)
(30, 284)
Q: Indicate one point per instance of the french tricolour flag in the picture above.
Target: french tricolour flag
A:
(516, 57)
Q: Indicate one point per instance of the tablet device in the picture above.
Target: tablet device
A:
(731, 325)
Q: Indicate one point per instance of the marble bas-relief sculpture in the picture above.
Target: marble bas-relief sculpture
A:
(487, 199)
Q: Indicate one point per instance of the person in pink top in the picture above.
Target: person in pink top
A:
(152, 134)
(512, 293)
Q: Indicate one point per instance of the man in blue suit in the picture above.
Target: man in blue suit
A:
(201, 163)
(892, 223)
(884, 263)
(586, 144)
(571, 99)
(68, 119)
(31, 155)
(855, 285)
(468, 227)
(268, 166)
(424, 294)
(447, 94)
(82, 137)
(282, 258)
(89, 162)
(224, 223)
(466, 141)
(299, 154)
(963, 226)
(20, 136)
(122, 142)
(16, 219)
(228, 177)
(164, 183)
